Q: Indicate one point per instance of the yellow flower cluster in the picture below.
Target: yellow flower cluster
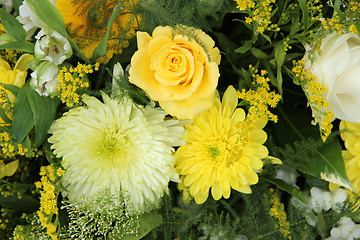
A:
(72, 80)
(344, 25)
(314, 93)
(260, 98)
(259, 13)
(7, 153)
(278, 212)
(333, 24)
(245, 4)
(48, 198)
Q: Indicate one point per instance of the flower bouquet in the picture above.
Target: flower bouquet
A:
(179, 119)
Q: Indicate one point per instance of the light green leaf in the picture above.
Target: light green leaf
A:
(244, 48)
(267, 38)
(305, 13)
(23, 119)
(12, 26)
(101, 48)
(286, 187)
(44, 110)
(148, 221)
(24, 46)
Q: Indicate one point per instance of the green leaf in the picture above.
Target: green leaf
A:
(258, 53)
(311, 155)
(244, 48)
(23, 119)
(286, 187)
(12, 25)
(101, 48)
(279, 80)
(148, 221)
(267, 38)
(24, 46)
(44, 110)
(12, 88)
(44, 9)
(26, 204)
(305, 13)
(294, 24)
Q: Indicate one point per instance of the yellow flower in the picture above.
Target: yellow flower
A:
(221, 151)
(350, 133)
(86, 22)
(180, 72)
(16, 76)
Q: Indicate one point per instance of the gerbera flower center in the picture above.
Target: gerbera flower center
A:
(113, 142)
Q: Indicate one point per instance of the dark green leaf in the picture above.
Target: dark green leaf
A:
(258, 53)
(101, 48)
(286, 187)
(244, 48)
(24, 46)
(44, 110)
(26, 204)
(23, 119)
(12, 26)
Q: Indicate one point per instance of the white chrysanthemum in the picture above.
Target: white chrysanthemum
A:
(118, 146)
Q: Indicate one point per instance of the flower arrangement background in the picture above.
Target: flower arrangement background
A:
(205, 119)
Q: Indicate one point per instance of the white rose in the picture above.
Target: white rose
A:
(45, 79)
(338, 68)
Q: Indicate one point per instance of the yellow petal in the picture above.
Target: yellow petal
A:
(9, 169)
(230, 99)
(23, 61)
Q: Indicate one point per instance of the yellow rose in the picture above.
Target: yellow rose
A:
(15, 77)
(179, 72)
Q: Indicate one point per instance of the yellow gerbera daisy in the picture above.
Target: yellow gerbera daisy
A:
(117, 146)
(350, 133)
(86, 21)
(222, 151)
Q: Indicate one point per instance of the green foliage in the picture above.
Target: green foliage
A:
(203, 14)
(31, 110)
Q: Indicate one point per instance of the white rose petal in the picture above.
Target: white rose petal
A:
(338, 68)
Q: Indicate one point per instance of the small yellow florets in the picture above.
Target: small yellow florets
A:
(260, 98)
(278, 212)
(48, 198)
(314, 92)
(72, 81)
